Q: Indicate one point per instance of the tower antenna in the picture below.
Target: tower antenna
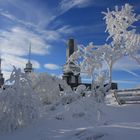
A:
(28, 68)
(29, 52)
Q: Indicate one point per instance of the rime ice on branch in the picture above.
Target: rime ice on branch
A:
(19, 105)
(124, 42)
(120, 28)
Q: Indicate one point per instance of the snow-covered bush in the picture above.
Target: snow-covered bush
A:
(19, 104)
(48, 87)
(100, 88)
(72, 96)
(82, 109)
(69, 98)
(81, 89)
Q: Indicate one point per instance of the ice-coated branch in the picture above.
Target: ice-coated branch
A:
(120, 27)
(118, 21)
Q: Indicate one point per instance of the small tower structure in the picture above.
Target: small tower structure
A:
(29, 68)
(1, 75)
(71, 71)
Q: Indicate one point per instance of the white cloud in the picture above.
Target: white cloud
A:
(17, 40)
(66, 29)
(49, 35)
(51, 66)
(46, 34)
(126, 64)
(10, 60)
(125, 82)
(132, 73)
(66, 5)
(14, 19)
(32, 13)
(7, 15)
(36, 20)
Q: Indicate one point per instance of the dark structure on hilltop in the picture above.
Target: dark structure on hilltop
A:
(71, 71)
(1, 75)
(29, 68)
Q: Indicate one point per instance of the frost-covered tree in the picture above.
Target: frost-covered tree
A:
(110, 56)
(19, 105)
(100, 86)
(119, 22)
(121, 30)
(123, 41)
(90, 60)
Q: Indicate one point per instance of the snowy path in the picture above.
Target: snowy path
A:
(124, 124)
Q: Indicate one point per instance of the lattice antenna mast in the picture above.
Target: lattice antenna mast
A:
(28, 68)
(29, 53)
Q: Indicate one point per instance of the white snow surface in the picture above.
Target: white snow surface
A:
(80, 121)
(66, 115)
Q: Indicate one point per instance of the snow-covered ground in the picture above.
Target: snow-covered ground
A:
(68, 122)
(37, 110)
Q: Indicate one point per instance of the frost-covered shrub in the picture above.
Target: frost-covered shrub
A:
(100, 88)
(69, 98)
(46, 87)
(19, 105)
(83, 108)
(81, 89)
(59, 117)
(78, 115)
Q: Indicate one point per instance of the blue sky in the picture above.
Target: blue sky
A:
(48, 24)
